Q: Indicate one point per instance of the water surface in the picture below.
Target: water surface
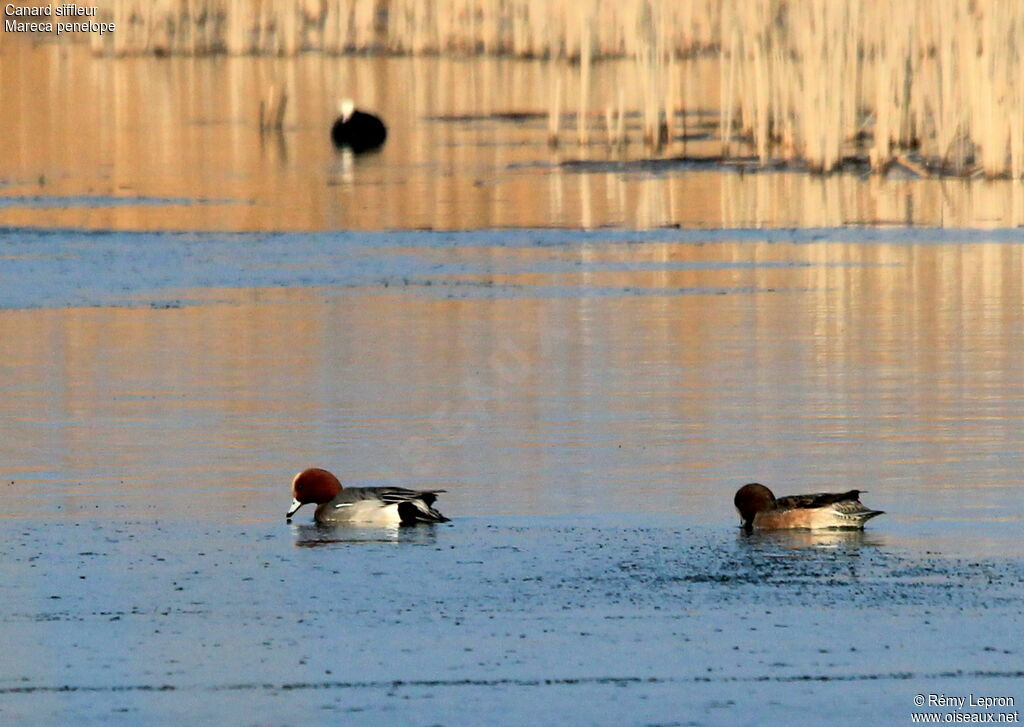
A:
(589, 362)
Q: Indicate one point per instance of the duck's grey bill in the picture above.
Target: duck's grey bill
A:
(295, 506)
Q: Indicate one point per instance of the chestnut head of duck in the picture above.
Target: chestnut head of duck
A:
(313, 485)
(752, 499)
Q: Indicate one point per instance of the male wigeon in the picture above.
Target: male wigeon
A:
(376, 505)
(760, 509)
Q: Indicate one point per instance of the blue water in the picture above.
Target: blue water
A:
(54, 268)
(590, 400)
(611, 620)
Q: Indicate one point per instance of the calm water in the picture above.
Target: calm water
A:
(188, 316)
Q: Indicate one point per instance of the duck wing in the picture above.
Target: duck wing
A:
(401, 494)
(845, 507)
(414, 506)
(818, 499)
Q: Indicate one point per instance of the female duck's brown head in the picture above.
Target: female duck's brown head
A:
(752, 499)
(313, 485)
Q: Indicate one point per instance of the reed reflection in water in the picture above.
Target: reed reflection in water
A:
(589, 400)
(580, 377)
(173, 143)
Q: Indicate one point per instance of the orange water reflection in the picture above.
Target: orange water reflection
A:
(181, 133)
(566, 377)
(890, 367)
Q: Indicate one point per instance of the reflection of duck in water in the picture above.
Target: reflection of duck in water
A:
(376, 505)
(327, 535)
(357, 130)
(774, 541)
(760, 509)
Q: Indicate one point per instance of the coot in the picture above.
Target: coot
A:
(357, 130)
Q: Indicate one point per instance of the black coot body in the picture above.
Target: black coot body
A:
(359, 131)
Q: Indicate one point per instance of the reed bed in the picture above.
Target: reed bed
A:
(516, 28)
(932, 86)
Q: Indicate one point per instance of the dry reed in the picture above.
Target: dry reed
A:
(272, 108)
(932, 85)
(934, 90)
(519, 28)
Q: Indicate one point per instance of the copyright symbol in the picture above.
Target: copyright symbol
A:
(919, 700)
